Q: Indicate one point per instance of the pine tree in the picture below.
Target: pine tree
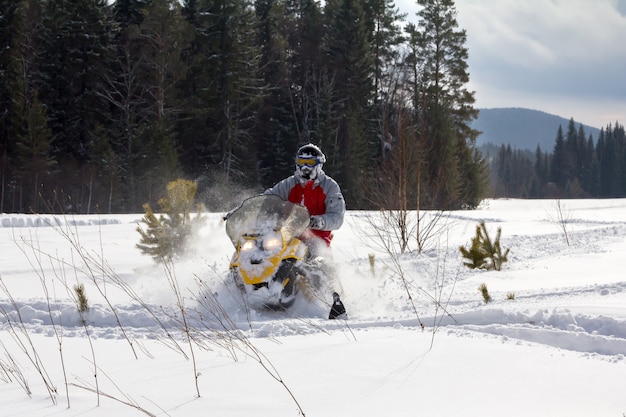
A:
(128, 12)
(485, 253)
(166, 236)
(9, 26)
(8, 19)
(313, 85)
(226, 86)
(107, 169)
(585, 158)
(620, 136)
(611, 152)
(193, 127)
(76, 47)
(33, 143)
(129, 106)
(277, 135)
(28, 129)
(75, 53)
(559, 168)
(391, 128)
(444, 106)
(349, 59)
(571, 151)
(593, 171)
(386, 33)
(161, 32)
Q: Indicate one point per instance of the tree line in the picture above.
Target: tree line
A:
(103, 103)
(577, 167)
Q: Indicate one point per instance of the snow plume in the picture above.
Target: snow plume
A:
(219, 193)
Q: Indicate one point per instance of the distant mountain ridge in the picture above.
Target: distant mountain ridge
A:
(523, 128)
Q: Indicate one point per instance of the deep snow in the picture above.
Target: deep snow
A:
(556, 349)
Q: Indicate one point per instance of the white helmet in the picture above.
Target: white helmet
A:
(309, 161)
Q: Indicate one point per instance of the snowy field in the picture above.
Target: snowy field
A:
(552, 342)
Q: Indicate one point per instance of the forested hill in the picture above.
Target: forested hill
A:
(523, 128)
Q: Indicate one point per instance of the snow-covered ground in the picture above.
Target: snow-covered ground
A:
(551, 343)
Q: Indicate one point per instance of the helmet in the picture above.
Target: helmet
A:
(309, 161)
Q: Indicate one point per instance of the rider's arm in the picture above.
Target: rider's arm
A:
(335, 205)
(282, 188)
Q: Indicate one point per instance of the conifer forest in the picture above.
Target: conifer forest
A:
(579, 166)
(103, 103)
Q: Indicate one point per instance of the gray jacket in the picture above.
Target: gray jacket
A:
(333, 199)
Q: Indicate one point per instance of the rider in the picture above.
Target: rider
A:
(320, 194)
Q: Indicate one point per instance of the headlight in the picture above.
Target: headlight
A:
(272, 243)
(248, 245)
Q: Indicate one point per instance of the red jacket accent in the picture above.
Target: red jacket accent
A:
(313, 198)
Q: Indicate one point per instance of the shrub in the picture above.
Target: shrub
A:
(81, 298)
(485, 293)
(166, 235)
(483, 253)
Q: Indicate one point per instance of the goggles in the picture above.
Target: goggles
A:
(309, 162)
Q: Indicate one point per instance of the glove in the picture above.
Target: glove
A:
(317, 222)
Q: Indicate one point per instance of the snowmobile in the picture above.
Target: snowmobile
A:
(271, 264)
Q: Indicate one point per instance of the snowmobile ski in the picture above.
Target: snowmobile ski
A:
(337, 310)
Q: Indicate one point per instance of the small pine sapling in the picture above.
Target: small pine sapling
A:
(476, 255)
(485, 293)
(496, 255)
(484, 253)
(165, 235)
(81, 298)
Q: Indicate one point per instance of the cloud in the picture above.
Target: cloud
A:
(561, 56)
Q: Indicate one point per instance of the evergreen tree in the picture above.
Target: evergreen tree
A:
(9, 26)
(585, 159)
(504, 170)
(384, 19)
(571, 152)
(128, 12)
(28, 131)
(313, 83)
(620, 137)
(444, 105)
(162, 31)
(76, 49)
(514, 173)
(392, 130)
(8, 12)
(559, 168)
(308, 72)
(33, 142)
(278, 133)
(129, 108)
(592, 182)
(226, 86)
(194, 131)
(611, 152)
(540, 173)
(75, 56)
(349, 61)
(107, 170)
(166, 236)
(475, 181)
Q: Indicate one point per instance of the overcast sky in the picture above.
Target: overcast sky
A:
(565, 57)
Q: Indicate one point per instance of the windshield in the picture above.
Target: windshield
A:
(264, 214)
